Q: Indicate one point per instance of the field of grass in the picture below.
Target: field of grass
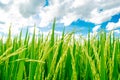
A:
(65, 58)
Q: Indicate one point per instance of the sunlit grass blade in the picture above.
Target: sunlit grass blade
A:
(102, 57)
(32, 66)
(51, 45)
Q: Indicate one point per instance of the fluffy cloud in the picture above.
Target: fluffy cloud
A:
(30, 7)
(67, 11)
(117, 31)
(112, 25)
(96, 28)
(5, 4)
(14, 17)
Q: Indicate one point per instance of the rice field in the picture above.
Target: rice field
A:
(65, 58)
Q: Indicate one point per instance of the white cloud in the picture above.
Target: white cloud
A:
(30, 7)
(98, 18)
(117, 31)
(68, 11)
(96, 28)
(68, 19)
(5, 1)
(47, 15)
(14, 17)
(112, 25)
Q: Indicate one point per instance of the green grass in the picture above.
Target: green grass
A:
(65, 58)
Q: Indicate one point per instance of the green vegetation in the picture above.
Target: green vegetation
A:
(65, 58)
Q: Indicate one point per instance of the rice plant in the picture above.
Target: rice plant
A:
(65, 58)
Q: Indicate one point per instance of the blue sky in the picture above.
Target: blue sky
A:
(72, 14)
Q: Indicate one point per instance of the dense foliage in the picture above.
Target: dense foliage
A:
(65, 58)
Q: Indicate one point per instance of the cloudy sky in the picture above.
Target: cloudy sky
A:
(71, 14)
